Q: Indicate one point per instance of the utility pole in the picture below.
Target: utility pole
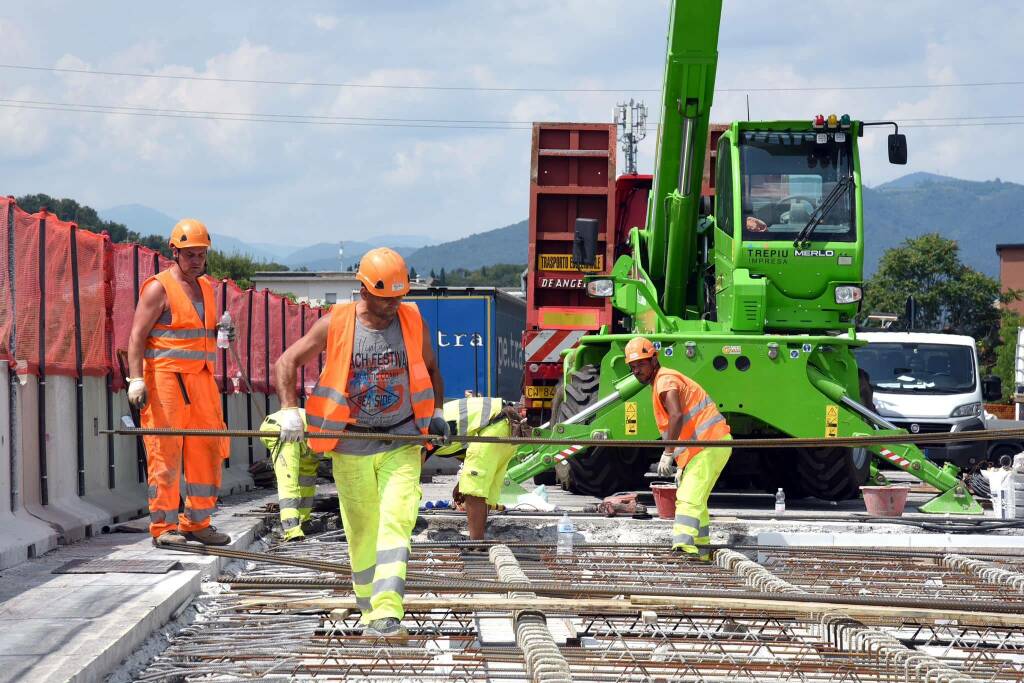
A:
(631, 118)
(341, 257)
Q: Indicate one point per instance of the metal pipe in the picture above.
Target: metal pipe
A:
(79, 408)
(44, 493)
(685, 161)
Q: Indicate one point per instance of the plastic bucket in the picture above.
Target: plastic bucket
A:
(885, 501)
(665, 500)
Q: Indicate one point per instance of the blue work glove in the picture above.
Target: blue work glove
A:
(438, 425)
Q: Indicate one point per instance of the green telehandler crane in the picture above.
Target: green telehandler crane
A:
(754, 297)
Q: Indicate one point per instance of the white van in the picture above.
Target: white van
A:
(927, 383)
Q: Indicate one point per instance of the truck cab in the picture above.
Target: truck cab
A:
(927, 383)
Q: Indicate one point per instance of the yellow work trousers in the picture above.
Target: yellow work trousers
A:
(691, 530)
(483, 471)
(379, 496)
(182, 401)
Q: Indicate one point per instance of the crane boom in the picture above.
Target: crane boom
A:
(687, 93)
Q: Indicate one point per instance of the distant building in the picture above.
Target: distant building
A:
(315, 288)
(1011, 272)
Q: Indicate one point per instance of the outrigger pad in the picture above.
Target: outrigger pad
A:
(956, 501)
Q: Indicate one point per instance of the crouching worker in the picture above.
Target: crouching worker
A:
(684, 411)
(483, 470)
(295, 469)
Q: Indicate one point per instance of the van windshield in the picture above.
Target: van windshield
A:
(907, 368)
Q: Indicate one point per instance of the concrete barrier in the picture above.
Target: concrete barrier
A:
(61, 506)
(111, 466)
(236, 468)
(21, 535)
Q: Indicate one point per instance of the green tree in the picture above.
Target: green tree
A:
(1009, 323)
(499, 275)
(238, 267)
(950, 296)
(442, 280)
(87, 219)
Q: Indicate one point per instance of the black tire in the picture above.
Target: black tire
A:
(832, 473)
(600, 471)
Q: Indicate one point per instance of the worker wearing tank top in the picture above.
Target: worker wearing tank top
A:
(380, 375)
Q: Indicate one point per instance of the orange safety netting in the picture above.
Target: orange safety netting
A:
(26, 290)
(6, 300)
(38, 305)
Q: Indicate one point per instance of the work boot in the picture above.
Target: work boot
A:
(388, 627)
(208, 536)
(169, 536)
(703, 558)
(295, 539)
(311, 527)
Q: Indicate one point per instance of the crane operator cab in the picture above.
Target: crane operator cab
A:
(788, 229)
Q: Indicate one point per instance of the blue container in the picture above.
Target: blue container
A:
(477, 336)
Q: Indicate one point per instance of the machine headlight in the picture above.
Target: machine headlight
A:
(967, 410)
(848, 294)
(600, 288)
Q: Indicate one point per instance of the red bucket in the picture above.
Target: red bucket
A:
(665, 499)
(885, 501)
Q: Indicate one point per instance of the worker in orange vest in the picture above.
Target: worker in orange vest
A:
(171, 353)
(684, 411)
(380, 376)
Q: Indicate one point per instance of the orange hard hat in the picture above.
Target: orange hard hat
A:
(639, 348)
(189, 233)
(384, 273)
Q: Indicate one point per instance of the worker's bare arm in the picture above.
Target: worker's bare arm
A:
(152, 302)
(430, 360)
(295, 356)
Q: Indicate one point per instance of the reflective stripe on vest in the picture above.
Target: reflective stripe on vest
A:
(327, 409)
(470, 416)
(703, 421)
(186, 344)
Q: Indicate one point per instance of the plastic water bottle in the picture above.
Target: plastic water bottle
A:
(780, 501)
(565, 532)
(222, 331)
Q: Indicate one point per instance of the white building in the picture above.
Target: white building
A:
(316, 288)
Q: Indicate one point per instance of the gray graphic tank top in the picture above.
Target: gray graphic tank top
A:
(378, 387)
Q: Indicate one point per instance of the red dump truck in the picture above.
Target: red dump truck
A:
(572, 175)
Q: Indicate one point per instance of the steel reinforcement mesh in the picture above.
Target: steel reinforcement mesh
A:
(259, 629)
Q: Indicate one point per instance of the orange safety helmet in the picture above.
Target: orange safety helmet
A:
(384, 273)
(639, 348)
(189, 233)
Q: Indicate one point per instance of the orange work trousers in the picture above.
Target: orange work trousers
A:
(183, 401)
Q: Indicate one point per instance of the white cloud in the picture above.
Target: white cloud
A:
(325, 22)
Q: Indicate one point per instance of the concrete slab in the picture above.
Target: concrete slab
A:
(80, 627)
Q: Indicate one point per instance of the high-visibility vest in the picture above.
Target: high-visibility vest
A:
(703, 421)
(186, 344)
(327, 409)
(469, 416)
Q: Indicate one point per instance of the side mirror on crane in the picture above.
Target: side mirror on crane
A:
(898, 149)
(584, 243)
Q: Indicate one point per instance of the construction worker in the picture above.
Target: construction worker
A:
(380, 375)
(171, 353)
(483, 471)
(295, 469)
(684, 411)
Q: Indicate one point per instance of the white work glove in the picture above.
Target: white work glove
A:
(667, 465)
(291, 425)
(137, 393)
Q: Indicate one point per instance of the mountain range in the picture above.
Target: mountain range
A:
(978, 214)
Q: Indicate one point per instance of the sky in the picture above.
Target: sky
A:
(326, 161)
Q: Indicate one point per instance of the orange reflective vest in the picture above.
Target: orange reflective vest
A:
(703, 421)
(327, 410)
(186, 344)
